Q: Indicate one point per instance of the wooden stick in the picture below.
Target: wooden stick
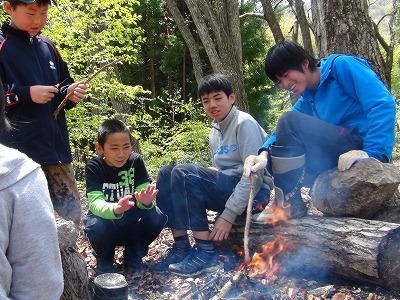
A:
(57, 111)
(228, 286)
(248, 219)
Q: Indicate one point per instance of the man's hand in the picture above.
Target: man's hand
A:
(41, 94)
(78, 90)
(146, 196)
(254, 163)
(346, 160)
(123, 205)
(221, 230)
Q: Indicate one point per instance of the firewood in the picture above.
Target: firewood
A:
(360, 249)
(228, 286)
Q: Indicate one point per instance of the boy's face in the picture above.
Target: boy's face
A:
(116, 150)
(28, 17)
(217, 104)
(295, 81)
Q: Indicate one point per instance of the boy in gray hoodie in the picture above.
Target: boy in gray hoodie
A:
(30, 263)
(186, 191)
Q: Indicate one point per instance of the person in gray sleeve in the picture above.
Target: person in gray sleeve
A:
(30, 262)
(186, 191)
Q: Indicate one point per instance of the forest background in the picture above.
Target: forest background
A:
(154, 89)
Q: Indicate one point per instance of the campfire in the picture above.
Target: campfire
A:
(264, 264)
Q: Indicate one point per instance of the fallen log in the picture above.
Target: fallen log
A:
(358, 249)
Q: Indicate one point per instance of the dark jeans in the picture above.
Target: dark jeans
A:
(323, 142)
(186, 191)
(135, 230)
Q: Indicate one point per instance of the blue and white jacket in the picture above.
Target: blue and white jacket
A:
(26, 61)
(351, 94)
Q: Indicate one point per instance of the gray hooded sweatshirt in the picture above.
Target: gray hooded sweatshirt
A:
(30, 263)
(231, 142)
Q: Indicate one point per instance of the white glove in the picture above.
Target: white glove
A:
(254, 163)
(346, 160)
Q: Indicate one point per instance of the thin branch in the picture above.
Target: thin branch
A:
(103, 68)
(252, 15)
(248, 219)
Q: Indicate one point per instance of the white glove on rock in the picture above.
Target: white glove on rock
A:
(254, 163)
(346, 160)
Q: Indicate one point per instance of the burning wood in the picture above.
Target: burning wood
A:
(360, 249)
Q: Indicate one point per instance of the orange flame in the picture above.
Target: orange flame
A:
(263, 263)
(290, 293)
(280, 214)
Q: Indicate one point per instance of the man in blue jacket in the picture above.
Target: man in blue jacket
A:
(345, 113)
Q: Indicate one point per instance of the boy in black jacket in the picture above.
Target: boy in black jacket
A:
(36, 80)
(116, 217)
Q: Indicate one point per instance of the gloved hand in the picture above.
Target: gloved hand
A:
(346, 160)
(254, 163)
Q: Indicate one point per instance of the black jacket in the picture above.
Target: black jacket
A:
(27, 61)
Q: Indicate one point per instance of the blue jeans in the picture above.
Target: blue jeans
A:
(135, 230)
(186, 191)
(322, 142)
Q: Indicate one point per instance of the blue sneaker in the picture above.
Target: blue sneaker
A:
(196, 262)
(175, 255)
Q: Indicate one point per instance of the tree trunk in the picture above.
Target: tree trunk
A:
(358, 249)
(217, 24)
(188, 37)
(76, 283)
(273, 23)
(304, 26)
(343, 26)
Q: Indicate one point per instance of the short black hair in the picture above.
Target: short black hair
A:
(285, 56)
(4, 124)
(215, 83)
(111, 126)
(15, 3)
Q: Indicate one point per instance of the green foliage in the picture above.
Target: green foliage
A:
(188, 144)
(396, 94)
(183, 141)
(90, 33)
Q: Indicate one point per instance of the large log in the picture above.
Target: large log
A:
(359, 249)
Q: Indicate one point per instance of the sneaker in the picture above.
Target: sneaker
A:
(174, 255)
(196, 262)
(280, 210)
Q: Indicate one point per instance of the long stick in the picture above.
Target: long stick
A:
(57, 111)
(248, 219)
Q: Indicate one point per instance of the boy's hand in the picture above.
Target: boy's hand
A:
(41, 94)
(123, 205)
(254, 163)
(146, 196)
(78, 90)
(346, 160)
(221, 231)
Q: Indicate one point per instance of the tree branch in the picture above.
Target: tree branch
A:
(60, 106)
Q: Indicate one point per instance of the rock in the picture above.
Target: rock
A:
(358, 192)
